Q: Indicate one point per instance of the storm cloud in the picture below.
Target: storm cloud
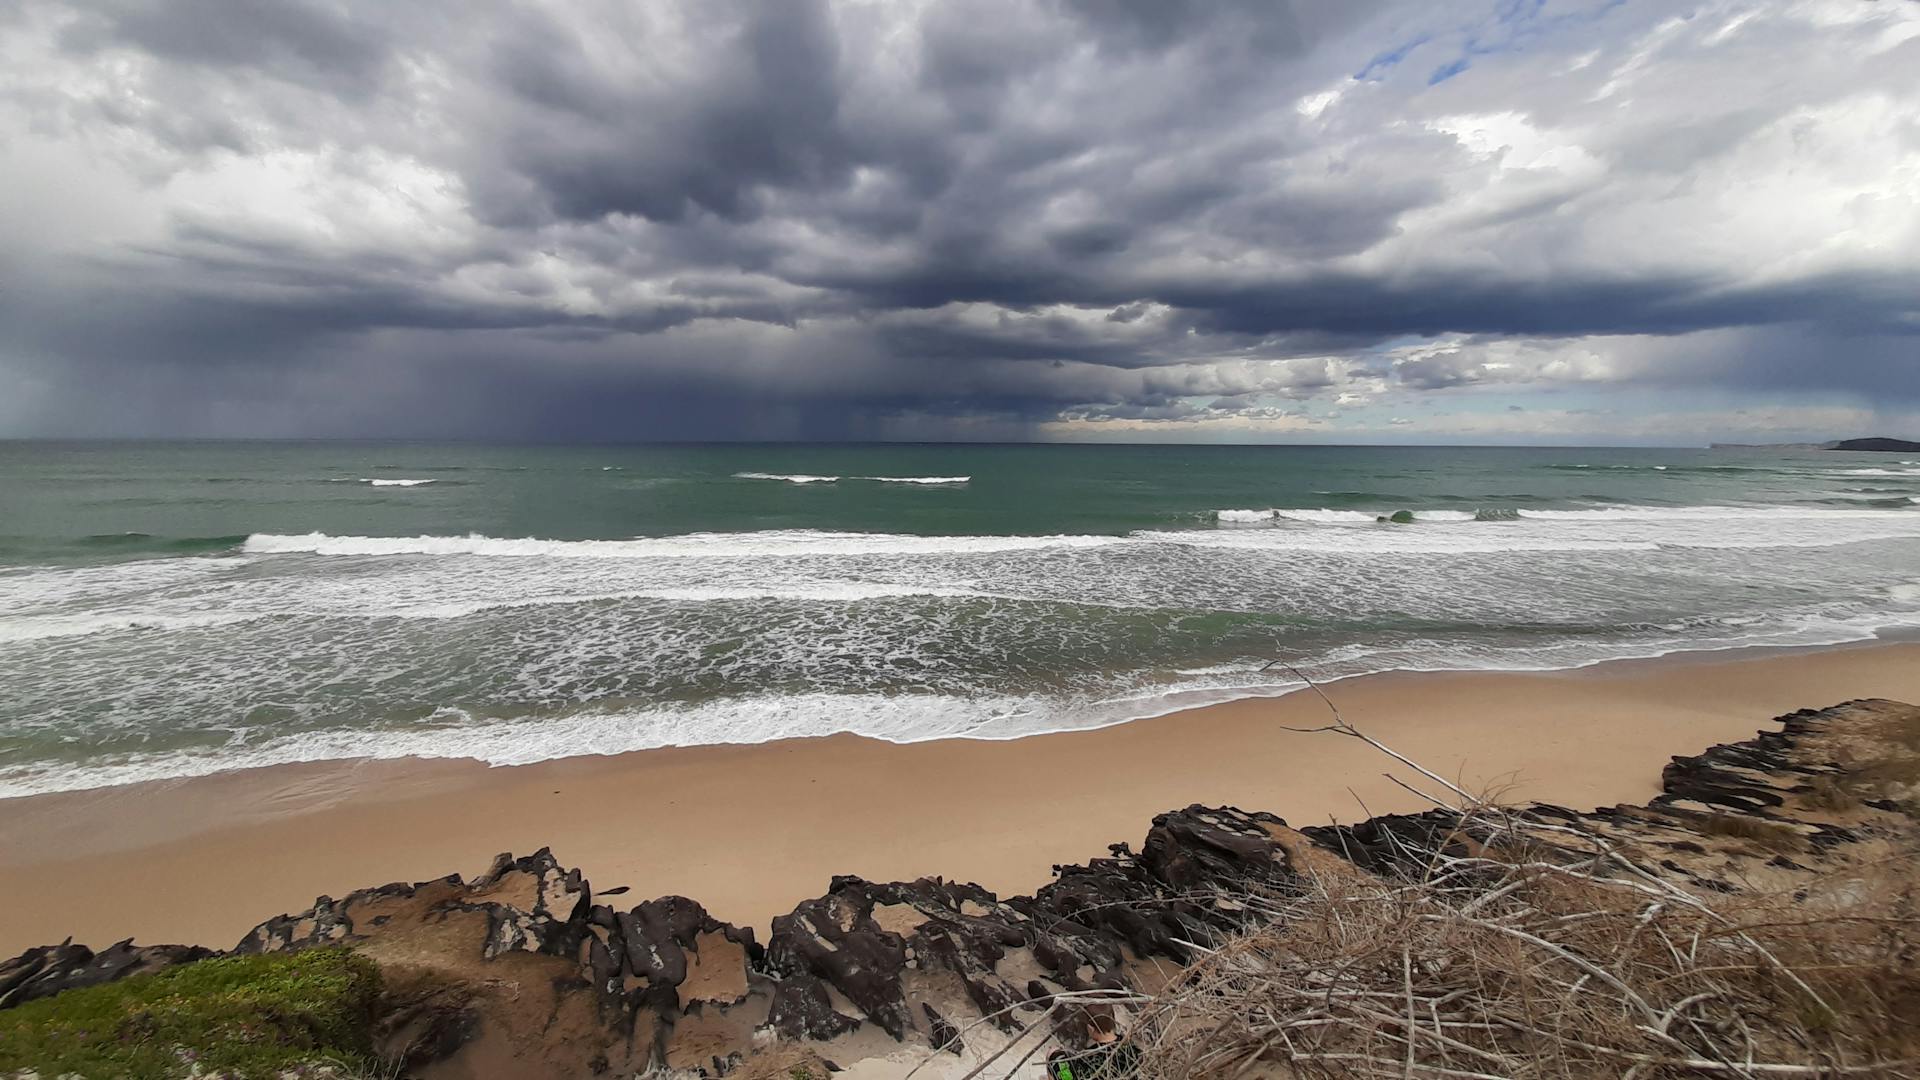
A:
(1255, 219)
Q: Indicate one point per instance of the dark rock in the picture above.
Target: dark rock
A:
(665, 974)
(1394, 845)
(327, 922)
(552, 923)
(803, 1010)
(944, 1035)
(1181, 887)
(532, 904)
(835, 939)
(658, 943)
(49, 969)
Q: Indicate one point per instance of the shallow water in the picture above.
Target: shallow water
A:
(174, 609)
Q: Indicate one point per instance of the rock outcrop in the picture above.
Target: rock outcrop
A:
(49, 969)
(492, 973)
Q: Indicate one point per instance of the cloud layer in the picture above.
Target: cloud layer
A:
(1048, 219)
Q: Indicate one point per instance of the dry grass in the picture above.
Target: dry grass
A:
(1491, 966)
(1880, 764)
(1830, 793)
(1543, 950)
(1768, 835)
(1521, 947)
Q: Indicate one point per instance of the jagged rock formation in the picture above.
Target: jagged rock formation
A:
(520, 972)
(49, 969)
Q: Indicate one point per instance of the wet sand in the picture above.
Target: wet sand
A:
(750, 830)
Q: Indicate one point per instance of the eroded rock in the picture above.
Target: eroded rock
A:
(49, 969)
(663, 983)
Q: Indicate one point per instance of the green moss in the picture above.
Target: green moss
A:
(238, 1016)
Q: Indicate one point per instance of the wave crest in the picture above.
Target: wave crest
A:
(791, 478)
(917, 479)
(809, 478)
(688, 545)
(374, 481)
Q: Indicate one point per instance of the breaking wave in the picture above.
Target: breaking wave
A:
(917, 479)
(780, 542)
(791, 478)
(806, 478)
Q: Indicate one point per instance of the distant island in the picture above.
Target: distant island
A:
(1879, 444)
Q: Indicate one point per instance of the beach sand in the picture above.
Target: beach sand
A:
(750, 830)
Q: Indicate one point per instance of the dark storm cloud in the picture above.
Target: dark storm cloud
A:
(811, 218)
(293, 38)
(759, 109)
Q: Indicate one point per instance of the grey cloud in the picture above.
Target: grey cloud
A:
(299, 38)
(835, 213)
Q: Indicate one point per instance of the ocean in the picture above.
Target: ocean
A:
(177, 609)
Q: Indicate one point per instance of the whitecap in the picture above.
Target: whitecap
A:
(791, 478)
(380, 482)
(453, 733)
(778, 542)
(1324, 517)
(1367, 517)
(917, 479)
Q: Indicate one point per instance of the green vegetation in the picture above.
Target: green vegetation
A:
(243, 1017)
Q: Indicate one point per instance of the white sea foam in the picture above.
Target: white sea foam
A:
(1366, 517)
(1613, 528)
(1625, 528)
(805, 478)
(1440, 539)
(451, 733)
(1881, 472)
(1330, 517)
(792, 542)
(1708, 513)
(917, 479)
(380, 481)
(832, 592)
(43, 627)
(791, 478)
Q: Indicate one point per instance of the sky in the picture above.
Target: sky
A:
(1347, 221)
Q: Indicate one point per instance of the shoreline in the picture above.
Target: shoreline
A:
(751, 829)
(1126, 710)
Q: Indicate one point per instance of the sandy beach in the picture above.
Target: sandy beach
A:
(750, 830)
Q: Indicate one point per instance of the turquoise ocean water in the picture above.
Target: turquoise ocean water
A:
(177, 609)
